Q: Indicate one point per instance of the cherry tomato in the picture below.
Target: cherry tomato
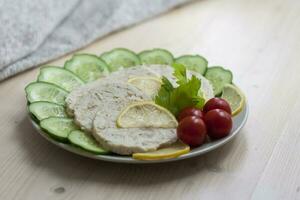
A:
(190, 111)
(192, 131)
(215, 103)
(218, 123)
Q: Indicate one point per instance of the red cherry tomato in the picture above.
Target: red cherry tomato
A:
(215, 103)
(218, 123)
(192, 131)
(190, 111)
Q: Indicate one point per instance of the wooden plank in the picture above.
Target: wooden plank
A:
(257, 40)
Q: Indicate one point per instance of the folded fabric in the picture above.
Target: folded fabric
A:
(36, 31)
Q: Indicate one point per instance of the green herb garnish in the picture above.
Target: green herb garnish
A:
(185, 95)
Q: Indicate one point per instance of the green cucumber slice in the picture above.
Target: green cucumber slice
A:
(156, 56)
(87, 67)
(42, 110)
(218, 76)
(60, 77)
(39, 91)
(86, 142)
(120, 58)
(59, 128)
(193, 62)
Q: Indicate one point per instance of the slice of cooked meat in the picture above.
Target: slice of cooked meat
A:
(126, 141)
(109, 98)
(75, 97)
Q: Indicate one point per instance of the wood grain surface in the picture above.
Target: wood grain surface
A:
(257, 39)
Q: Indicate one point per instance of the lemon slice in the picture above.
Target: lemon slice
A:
(174, 150)
(234, 97)
(146, 114)
(150, 85)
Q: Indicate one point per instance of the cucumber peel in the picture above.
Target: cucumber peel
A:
(193, 62)
(86, 142)
(42, 110)
(39, 91)
(120, 58)
(218, 77)
(88, 67)
(58, 127)
(156, 56)
(60, 77)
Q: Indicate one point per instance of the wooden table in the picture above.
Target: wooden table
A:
(258, 40)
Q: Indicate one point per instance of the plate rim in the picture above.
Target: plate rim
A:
(128, 159)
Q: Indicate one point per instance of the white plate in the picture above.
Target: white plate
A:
(238, 122)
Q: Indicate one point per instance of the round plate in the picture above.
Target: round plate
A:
(238, 122)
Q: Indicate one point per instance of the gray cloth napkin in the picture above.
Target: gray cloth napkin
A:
(36, 31)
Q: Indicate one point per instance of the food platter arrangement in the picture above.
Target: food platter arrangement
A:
(136, 108)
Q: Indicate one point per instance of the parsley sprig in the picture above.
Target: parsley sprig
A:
(186, 94)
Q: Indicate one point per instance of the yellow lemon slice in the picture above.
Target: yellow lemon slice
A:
(150, 85)
(174, 150)
(234, 97)
(146, 114)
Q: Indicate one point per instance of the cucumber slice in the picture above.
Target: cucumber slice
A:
(218, 76)
(59, 128)
(39, 91)
(60, 77)
(156, 56)
(120, 58)
(193, 62)
(87, 67)
(42, 110)
(86, 142)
